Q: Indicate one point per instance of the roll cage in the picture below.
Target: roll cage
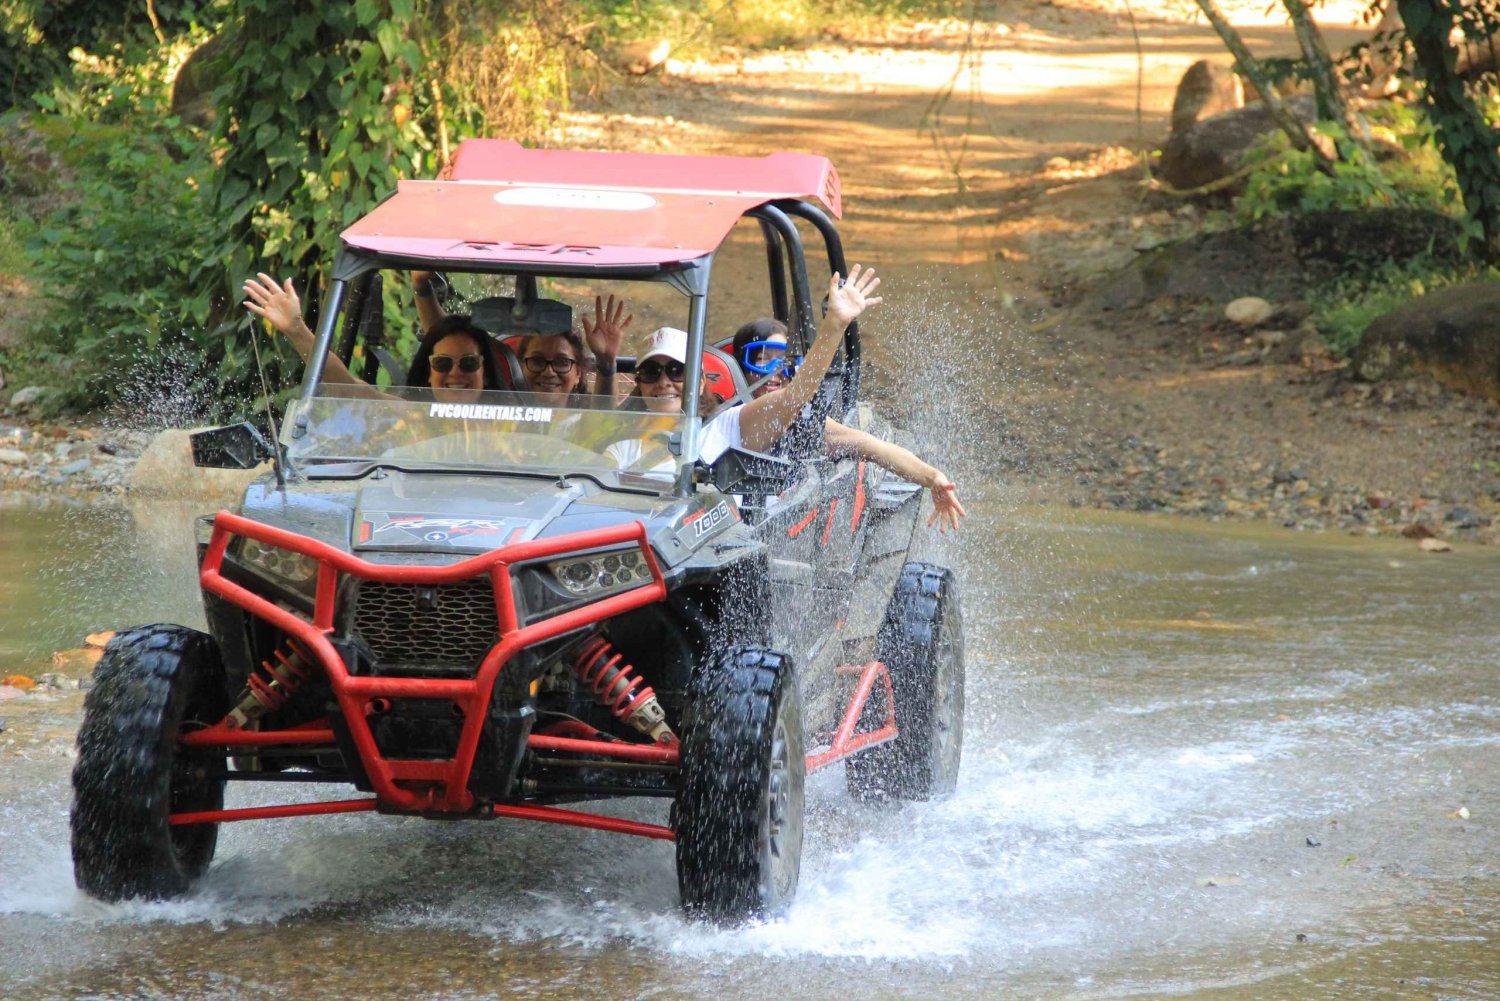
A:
(553, 207)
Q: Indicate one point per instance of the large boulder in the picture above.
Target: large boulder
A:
(1206, 89)
(1279, 259)
(1452, 334)
(165, 469)
(1215, 147)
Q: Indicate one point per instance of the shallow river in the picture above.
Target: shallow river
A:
(1199, 762)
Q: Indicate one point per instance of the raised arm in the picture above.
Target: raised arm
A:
(946, 509)
(280, 306)
(604, 336)
(766, 419)
(429, 310)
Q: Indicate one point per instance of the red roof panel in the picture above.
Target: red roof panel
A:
(502, 203)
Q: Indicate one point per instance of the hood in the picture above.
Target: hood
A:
(474, 514)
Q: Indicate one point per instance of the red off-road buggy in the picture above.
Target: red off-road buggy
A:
(468, 610)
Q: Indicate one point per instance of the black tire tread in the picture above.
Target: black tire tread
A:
(148, 682)
(918, 614)
(728, 724)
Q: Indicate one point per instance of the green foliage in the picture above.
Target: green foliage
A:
(1406, 173)
(1467, 138)
(1285, 179)
(120, 261)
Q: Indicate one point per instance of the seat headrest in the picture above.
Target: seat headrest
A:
(501, 314)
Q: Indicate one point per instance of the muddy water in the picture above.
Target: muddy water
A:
(1199, 762)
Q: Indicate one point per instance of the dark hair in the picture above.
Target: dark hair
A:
(762, 329)
(420, 373)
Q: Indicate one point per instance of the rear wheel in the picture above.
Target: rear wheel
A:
(739, 806)
(131, 775)
(922, 644)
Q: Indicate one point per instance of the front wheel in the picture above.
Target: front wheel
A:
(740, 798)
(921, 643)
(131, 775)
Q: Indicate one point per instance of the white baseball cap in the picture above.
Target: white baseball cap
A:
(667, 342)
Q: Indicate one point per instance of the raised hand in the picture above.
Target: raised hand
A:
(607, 332)
(277, 303)
(848, 298)
(946, 510)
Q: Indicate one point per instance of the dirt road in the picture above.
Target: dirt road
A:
(990, 171)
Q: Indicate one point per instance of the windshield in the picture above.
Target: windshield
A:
(488, 430)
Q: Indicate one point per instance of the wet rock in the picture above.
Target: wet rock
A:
(13, 457)
(56, 681)
(1434, 546)
(75, 467)
(8, 692)
(28, 397)
(1313, 842)
(1463, 516)
(1289, 475)
(1248, 311)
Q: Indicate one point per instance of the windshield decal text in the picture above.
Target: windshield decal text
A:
(491, 412)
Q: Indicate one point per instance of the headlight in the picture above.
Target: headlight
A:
(602, 572)
(280, 563)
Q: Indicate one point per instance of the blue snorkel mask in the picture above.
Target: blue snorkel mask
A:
(776, 360)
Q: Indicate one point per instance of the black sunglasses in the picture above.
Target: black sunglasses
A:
(443, 364)
(650, 371)
(537, 364)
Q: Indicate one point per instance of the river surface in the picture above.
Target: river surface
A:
(1199, 762)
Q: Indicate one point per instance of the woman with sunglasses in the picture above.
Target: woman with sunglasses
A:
(760, 348)
(455, 359)
(554, 363)
(756, 425)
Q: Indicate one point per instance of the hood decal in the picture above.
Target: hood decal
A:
(386, 528)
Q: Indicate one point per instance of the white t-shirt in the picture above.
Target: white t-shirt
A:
(718, 436)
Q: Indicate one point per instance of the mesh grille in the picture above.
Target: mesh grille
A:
(419, 624)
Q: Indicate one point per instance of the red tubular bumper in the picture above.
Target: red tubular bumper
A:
(411, 785)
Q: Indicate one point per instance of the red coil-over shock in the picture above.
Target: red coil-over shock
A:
(616, 685)
(269, 686)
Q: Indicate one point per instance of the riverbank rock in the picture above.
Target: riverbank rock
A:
(1206, 89)
(1215, 147)
(1452, 334)
(165, 469)
(1280, 259)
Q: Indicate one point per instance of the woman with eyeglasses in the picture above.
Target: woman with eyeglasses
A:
(760, 348)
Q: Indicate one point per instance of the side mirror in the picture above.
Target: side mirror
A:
(237, 446)
(739, 471)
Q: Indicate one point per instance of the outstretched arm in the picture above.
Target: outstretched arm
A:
(946, 509)
(766, 419)
(280, 306)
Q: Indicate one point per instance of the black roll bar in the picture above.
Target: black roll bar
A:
(835, 246)
(776, 264)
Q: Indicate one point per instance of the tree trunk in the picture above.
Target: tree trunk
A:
(1332, 106)
(1466, 138)
(1289, 122)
